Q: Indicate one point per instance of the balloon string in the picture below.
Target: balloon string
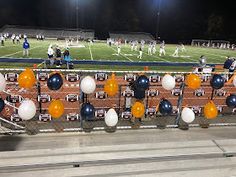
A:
(6, 92)
(212, 94)
(7, 103)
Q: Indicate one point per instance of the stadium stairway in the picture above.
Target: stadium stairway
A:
(171, 152)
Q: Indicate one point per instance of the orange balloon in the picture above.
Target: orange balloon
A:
(111, 86)
(56, 109)
(193, 81)
(26, 79)
(210, 110)
(138, 109)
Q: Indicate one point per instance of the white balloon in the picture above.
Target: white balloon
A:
(2, 83)
(168, 82)
(234, 81)
(88, 85)
(27, 110)
(188, 115)
(111, 118)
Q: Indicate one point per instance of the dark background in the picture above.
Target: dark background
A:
(179, 19)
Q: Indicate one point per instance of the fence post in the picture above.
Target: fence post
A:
(39, 93)
(179, 104)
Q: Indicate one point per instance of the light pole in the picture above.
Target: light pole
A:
(77, 13)
(158, 19)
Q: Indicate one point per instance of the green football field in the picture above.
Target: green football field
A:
(101, 51)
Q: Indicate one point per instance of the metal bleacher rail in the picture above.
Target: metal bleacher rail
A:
(71, 121)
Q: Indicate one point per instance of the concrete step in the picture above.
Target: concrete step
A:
(205, 167)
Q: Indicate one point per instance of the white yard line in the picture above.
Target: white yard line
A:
(91, 54)
(19, 52)
(122, 55)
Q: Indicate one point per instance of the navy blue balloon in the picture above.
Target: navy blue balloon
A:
(165, 107)
(231, 101)
(87, 112)
(142, 83)
(217, 81)
(55, 81)
(2, 104)
(139, 94)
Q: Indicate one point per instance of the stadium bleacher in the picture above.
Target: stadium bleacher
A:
(132, 36)
(49, 33)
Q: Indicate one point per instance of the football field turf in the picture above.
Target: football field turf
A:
(101, 51)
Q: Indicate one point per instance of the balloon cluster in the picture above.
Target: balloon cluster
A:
(111, 86)
(140, 86)
(138, 109)
(217, 81)
(231, 101)
(111, 118)
(188, 115)
(193, 81)
(87, 111)
(88, 85)
(210, 110)
(55, 81)
(27, 79)
(56, 109)
(27, 110)
(2, 83)
(168, 82)
(165, 107)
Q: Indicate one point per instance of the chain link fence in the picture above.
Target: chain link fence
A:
(72, 97)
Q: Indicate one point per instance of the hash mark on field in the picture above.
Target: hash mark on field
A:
(20, 52)
(122, 55)
(90, 52)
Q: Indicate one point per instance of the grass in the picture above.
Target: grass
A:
(101, 51)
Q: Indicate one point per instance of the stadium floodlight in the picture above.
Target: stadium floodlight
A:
(158, 19)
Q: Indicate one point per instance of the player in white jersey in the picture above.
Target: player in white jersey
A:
(13, 38)
(132, 45)
(183, 49)
(140, 53)
(136, 46)
(2, 39)
(118, 50)
(25, 36)
(176, 53)
(17, 39)
(162, 49)
(154, 50)
(150, 49)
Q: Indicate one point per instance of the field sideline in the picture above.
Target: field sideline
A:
(101, 51)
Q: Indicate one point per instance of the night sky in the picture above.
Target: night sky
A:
(179, 19)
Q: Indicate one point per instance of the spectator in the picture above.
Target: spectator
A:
(58, 57)
(67, 58)
(50, 55)
(26, 47)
